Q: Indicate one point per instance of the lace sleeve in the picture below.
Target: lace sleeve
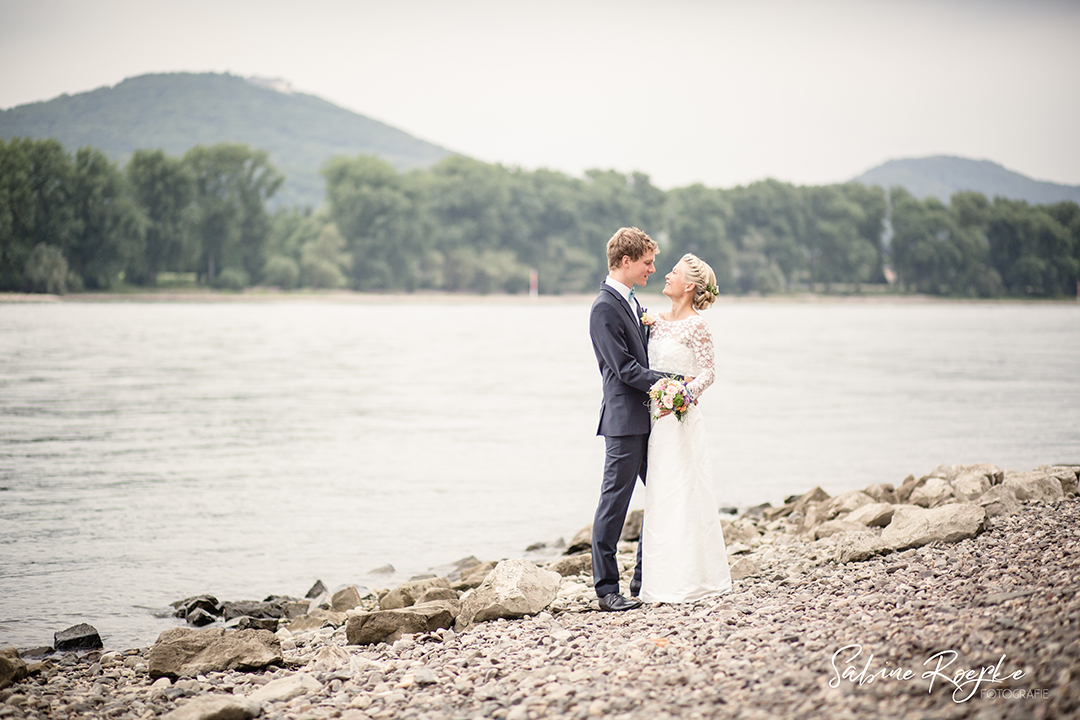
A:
(701, 343)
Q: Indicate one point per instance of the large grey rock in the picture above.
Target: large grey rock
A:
(252, 608)
(881, 492)
(78, 637)
(857, 546)
(181, 652)
(515, 588)
(581, 541)
(215, 707)
(935, 491)
(345, 599)
(12, 667)
(580, 564)
(406, 594)
(631, 529)
(474, 576)
(389, 625)
(989, 470)
(286, 688)
(999, 501)
(742, 530)
(317, 618)
(835, 527)
(1067, 475)
(743, 568)
(970, 486)
(207, 603)
(877, 514)
(914, 526)
(1034, 485)
(846, 502)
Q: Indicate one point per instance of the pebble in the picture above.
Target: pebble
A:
(792, 640)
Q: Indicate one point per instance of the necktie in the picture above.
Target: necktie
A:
(631, 297)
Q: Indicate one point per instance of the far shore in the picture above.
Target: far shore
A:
(261, 294)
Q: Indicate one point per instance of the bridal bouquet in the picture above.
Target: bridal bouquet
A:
(670, 394)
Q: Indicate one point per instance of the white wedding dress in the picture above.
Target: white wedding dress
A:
(683, 553)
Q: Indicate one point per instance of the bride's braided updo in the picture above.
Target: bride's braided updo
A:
(704, 279)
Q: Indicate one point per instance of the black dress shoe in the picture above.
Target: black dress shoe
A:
(614, 602)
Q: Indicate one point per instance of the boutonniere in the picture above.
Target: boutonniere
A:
(647, 319)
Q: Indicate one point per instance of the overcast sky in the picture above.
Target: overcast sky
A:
(686, 91)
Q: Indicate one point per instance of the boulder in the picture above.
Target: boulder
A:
(345, 599)
(515, 588)
(316, 619)
(286, 688)
(877, 514)
(181, 652)
(249, 623)
(474, 576)
(215, 707)
(78, 637)
(813, 514)
(437, 593)
(208, 603)
(834, 527)
(970, 486)
(998, 501)
(581, 542)
(858, 546)
(846, 502)
(316, 590)
(406, 594)
(199, 617)
(935, 491)
(742, 530)
(251, 608)
(881, 492)
(12, 667)
(1067, 475)
(914, 526)
(743, 568)
(389, 625)
(631, 529)
(904, 491)
(1034, 485)
(989, 470)
(569, 566)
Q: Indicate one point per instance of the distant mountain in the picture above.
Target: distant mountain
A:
(176, 111)
(941, 176)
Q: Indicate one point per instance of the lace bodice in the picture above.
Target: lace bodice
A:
(683, 347)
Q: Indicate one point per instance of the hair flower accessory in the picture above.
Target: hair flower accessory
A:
(712, 289)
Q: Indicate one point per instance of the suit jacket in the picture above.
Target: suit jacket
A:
(619, 341)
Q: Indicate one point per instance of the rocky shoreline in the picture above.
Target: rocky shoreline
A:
(950, 596)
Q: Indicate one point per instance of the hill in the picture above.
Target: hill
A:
(941, 176)
(176, 111)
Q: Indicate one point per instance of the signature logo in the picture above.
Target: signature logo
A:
(965, 682)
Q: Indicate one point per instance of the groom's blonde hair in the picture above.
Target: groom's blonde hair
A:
(631, 242)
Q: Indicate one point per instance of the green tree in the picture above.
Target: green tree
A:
(324, 260)
(377, 213)
(108, 231)
(1031, 249)
(35, 204)
(232, 186)
(47, 270)
(696, 222)
(164, 189)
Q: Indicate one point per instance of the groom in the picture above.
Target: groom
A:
(619, 341)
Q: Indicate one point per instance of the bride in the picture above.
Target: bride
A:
(683, 553)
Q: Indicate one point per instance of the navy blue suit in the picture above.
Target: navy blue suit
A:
(619, 341)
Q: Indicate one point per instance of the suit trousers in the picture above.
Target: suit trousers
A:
(626, 460)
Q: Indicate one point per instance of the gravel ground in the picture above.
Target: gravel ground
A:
(805, 637)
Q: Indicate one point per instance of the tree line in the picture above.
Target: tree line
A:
(79, 221)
